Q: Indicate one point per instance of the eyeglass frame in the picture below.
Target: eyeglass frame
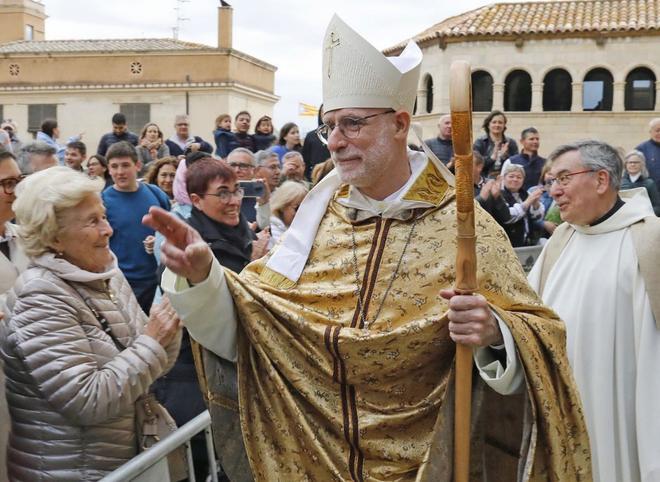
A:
(18, 181)
(564, 180)
(227, 194)
(241, 166)
(359, 122)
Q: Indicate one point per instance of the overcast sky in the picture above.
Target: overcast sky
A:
(285, 33)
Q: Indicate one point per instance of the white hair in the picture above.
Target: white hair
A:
(642, 159)
(509, 166)
(284, 195)
(653, 122)
(42, 199)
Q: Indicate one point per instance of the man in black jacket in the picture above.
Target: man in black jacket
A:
(119, 133)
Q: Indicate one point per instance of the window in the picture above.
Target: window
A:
(640, 90)
(137, 115)
(597, 90)
(518, 91)
(415, 107)
(429, 94)
(37, 113)
(29, 32)
(482, 91)
(557, 90)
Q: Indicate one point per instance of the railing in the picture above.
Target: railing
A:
(151, 465)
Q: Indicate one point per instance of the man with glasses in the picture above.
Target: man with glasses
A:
(12, 262)
(268, 168)
(182, 142)
(344, 336)
(599, 272)
(255, 210)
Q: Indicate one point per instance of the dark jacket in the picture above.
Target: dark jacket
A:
(244, 140)
(225, 141)
(484, 145)
(263, 141)
(111, 138)
(650, 186)
(518, 232)
(176, 151)
(442, 148)
(496, 207)
(651, 151)
(314, 152)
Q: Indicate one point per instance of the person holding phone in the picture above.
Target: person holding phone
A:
(255, 207)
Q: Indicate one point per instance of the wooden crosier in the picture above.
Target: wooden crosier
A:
(466, 256)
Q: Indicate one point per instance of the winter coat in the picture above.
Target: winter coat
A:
(646, 182)
(71, 392)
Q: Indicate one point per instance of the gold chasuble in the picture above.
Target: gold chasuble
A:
(327, 393)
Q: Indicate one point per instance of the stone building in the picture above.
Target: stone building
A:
(82, 83)
(574, 69)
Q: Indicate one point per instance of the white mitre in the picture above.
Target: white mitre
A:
(356, 74)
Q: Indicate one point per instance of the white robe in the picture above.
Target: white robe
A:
(613, 344)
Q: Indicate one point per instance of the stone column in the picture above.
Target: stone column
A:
(498, 96)
(617, 99)
(537, 97)
(576, 105)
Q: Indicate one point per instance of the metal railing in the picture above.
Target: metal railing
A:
(151, 465)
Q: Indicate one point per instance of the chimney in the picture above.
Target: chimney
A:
(225, 13)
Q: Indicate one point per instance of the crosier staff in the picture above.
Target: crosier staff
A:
(460, 102)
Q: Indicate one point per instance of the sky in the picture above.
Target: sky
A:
(284, 33)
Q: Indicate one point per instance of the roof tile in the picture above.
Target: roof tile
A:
(106, 45)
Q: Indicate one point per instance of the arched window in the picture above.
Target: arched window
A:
(640, 89)
(597, 90)
(557, 90)
(429, 94)
(482, 91)
(518, 91)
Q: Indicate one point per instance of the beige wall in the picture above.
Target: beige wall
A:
(537, 57)
(211, 66)
(15, 14)
(90, 112)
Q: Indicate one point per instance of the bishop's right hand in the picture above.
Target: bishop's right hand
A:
(184, 251)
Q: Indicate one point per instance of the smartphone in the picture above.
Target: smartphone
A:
(252, 188)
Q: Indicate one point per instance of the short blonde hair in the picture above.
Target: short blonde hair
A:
(41, 201)
(284, 195)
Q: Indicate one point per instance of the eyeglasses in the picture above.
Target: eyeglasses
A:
(564, 179)
(349, 127)
(181, 124)
(225, 195)
(240, 165)
(9, 184)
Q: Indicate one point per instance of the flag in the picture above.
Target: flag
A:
(307, 110)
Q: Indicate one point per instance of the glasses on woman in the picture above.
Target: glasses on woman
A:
(225, 195)
(9, 184)
(348, 126)
(565, 179)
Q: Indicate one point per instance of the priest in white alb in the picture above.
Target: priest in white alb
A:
(600, 273)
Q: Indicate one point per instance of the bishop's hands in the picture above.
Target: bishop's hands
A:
(184, 251)
(471, 321)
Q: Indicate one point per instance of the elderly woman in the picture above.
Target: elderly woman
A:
(636, 175)
(524, 208)
(284, 204)
(161, 173)
(78, 350)
(293, 168)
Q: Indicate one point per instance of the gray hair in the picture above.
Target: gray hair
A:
(292, 154)
(263, 156)
(642, 159)
(41, 201)
(24, 157)
(511, 167)
(241, 150)
(653, 122)
(284, 195)
(595, 155)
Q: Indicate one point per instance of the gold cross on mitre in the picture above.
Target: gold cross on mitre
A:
(333, 41)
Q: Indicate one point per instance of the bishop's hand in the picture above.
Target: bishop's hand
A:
(471, 321)
(184, 251)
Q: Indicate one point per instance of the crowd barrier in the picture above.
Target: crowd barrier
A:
(151, 465)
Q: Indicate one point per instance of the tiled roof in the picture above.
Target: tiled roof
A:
(109, 45)
(563, 17)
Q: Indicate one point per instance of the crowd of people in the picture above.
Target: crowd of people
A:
(301, 299)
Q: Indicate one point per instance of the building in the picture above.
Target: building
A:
(574, 69)
(82, 83)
